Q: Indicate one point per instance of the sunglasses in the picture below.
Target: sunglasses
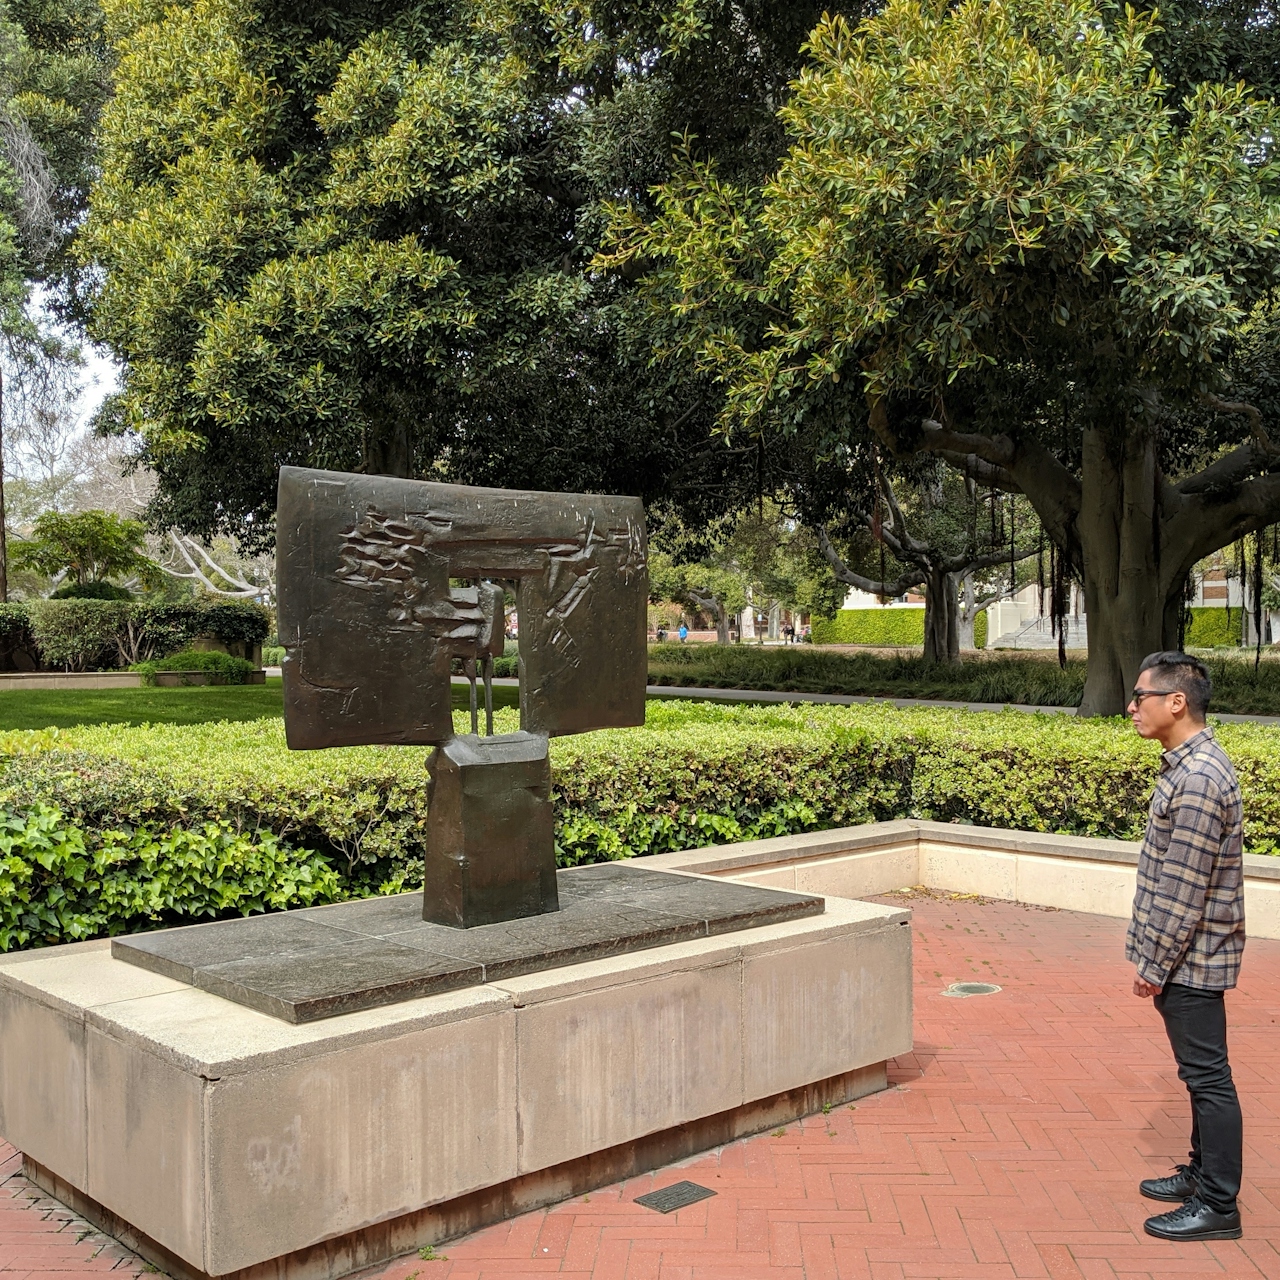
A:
(1139, 694)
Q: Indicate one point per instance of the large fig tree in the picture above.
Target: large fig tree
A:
(996, 240)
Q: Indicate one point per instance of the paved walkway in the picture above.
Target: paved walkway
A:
(1009, 1146)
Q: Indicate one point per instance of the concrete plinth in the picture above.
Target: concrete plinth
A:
(221, 1141)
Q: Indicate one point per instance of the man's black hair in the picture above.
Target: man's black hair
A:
(1186, 674)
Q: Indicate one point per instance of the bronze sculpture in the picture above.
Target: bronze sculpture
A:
(371, 621)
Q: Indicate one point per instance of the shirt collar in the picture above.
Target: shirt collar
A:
(1170, 759)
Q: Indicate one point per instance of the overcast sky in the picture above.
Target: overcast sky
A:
(98, 380)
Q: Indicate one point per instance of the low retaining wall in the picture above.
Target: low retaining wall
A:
(1073, 873)
(70, 680)
(113, 679)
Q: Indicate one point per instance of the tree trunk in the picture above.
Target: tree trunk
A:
(1126, 595)
(1172, 622)
(388, 449)
(941, 618)
(4, 530)
(968, 619)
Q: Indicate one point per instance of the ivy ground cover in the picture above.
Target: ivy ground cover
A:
(107, 828)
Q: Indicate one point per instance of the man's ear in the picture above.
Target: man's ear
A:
(1177, 702)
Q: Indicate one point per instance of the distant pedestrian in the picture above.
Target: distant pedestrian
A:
(683, 633)
(1187, 937)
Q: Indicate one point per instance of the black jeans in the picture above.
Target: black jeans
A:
(1196, 1022)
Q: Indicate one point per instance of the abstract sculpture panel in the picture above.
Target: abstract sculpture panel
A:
(383, 582)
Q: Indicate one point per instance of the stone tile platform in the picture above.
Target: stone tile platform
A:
(324, 961)
(1009, 1149)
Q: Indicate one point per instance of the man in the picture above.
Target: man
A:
(1187, 937)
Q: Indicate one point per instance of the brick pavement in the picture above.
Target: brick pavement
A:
(1009, 1146)
(41, 1239)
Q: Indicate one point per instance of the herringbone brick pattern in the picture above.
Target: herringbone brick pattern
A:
(1009, 1146)
(41, 1239)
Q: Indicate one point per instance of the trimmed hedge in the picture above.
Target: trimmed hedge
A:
(233, 670)
(998, 678)
(83, 634)
(696, 774)
(887, 627)
(1210, 628)
(891, 628)
(56, 887)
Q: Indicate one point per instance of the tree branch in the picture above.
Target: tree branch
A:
(238, 587)
(1234, 468)
(1209, 523)
(912, 546)
(846, 575)
(1256, 429)
(967, 564)
(1054, 491)
(985, 473)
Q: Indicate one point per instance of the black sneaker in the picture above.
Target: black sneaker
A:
(1178, 1187)
(1195, 1221)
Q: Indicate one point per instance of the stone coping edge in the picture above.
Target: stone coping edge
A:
(382, 1241)
(876, 837)
(70, 679)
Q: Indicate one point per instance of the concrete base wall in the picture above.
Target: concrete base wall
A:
(1072, 873)
(437, 1223)
(228, 1140)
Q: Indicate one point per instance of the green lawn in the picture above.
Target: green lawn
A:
(40, 708)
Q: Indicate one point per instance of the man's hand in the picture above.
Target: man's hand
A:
(1145, 989)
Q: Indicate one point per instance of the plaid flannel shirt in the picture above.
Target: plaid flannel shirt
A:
(1188, 913)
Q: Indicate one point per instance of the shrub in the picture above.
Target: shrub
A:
(16, 638)
(889, 628)
(797, 668)
(77, 635)
(235, 621)
(696, 774)
(230, 669)
(272, 655)
(84, 634)
(61, 884)
(92, 591)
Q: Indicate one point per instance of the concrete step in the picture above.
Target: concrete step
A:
(1038, 634)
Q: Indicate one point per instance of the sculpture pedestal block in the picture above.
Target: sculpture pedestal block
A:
(221, 1141)
(491, 852)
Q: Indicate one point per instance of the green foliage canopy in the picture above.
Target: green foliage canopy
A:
(969, 185)
(88, 546)
(360, 237)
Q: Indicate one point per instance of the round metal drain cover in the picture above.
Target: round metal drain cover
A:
(963, 989)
